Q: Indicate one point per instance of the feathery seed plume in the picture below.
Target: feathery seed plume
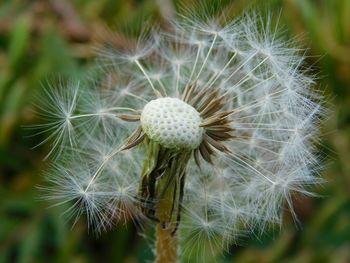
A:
(207, 130)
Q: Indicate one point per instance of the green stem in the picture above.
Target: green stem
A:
(161, 191)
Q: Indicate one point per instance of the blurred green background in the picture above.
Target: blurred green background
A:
(42, 39)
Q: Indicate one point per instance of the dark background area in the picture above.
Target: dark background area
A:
(42, 39)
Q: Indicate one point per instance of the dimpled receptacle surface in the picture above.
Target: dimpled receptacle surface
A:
(172, 123)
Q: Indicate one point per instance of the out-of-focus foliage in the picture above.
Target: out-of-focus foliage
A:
(40, 40)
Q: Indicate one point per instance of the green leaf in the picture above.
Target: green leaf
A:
(29, 246)
(19, 42)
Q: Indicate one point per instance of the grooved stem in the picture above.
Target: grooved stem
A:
(161, 190)
(166, 245)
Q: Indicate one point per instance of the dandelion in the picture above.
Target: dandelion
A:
(206, 130)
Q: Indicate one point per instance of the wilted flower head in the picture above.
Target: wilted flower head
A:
(207, 129)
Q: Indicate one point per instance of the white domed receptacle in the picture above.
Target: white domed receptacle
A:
(172, 123)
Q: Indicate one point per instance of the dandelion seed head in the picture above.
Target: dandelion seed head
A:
(236, 96)
(172, 123)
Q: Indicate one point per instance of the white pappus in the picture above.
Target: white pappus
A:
(255, 147)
